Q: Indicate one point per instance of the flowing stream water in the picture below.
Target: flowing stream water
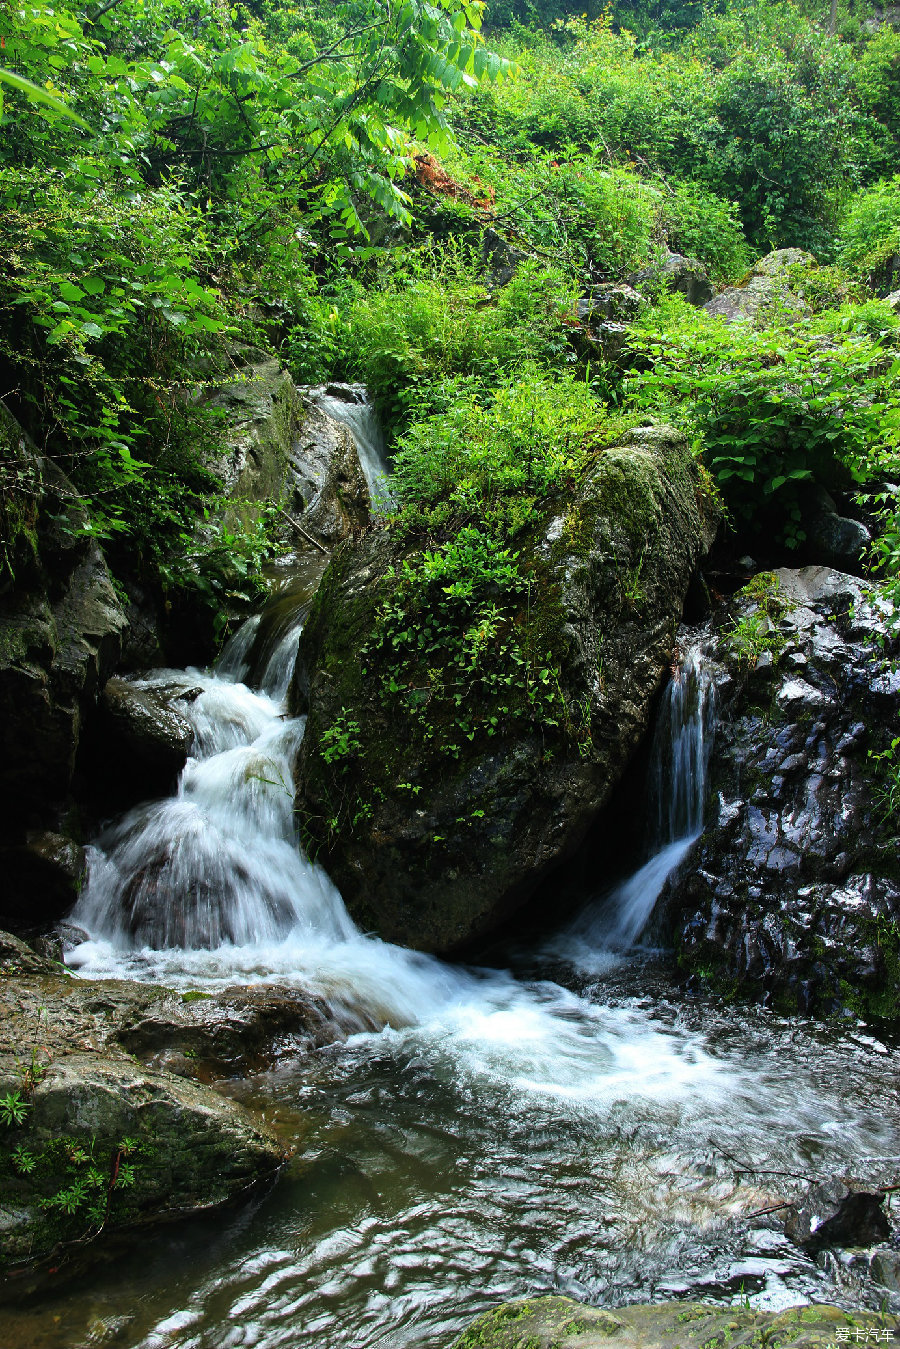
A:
(592, 1133)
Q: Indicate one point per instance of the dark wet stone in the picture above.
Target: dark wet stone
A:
(812, 920)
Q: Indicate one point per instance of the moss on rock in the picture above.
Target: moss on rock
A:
(437, 793)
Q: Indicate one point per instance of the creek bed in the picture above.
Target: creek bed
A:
(604, 1144)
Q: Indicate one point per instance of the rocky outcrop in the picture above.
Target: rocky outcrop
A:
(560, 1323)
(793, 891)
(766, 285)
(103, 1130)
(683, 275)
(42, 877)
(61, 629)
(435, 850)
(278, 445)
(142, 737)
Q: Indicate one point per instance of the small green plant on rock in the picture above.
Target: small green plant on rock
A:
(756, 631)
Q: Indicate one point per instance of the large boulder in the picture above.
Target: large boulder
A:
(683, 275)
(277, 444)
(142, 737)
(557, 1322)
(61, 628)
(792, 893)
(433, 848)
(95, 1140)
(766, 286)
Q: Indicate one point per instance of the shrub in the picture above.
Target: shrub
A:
(771, 410)
(870, 231)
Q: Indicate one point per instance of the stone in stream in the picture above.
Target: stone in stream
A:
(438, 850)
(91, 1064)
(560, 1323)
(792, 893)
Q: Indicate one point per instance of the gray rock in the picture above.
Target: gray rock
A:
(833, 538)
(42, 877)
(500, 258)
(68, 1053)
(438, 866)
(685, 276)
(611, 303)
(809, 917)
(145, 738)
(765, 286)
(277, 445)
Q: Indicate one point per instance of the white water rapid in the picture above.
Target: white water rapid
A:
(209, 887)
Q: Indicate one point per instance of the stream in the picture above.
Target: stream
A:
(571, 1123)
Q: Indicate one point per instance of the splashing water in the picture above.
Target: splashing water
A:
(496, 1138)
(681, 748)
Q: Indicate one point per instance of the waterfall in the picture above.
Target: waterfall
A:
(209, 887)
(682, 743)
(349, 404)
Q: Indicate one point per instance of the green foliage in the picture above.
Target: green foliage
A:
(756, 631)
(13, 1109)
(704, 226)
(340, 741)
(870, 231)
(460, 646)
(771, 409)
(72, 1183)
(430, 320)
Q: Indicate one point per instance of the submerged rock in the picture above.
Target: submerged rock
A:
(435, 854)
(792, 892)
(554, 1322)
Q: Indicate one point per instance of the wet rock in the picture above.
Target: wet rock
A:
(765, 286)
(143, 737)
(438, 866)
(331, 497)
(833, 538)
(61, 630)
(550, 1322)
(859, 1220)
(42, 877)
(278, 445)
(792, 894)
(69, 1054)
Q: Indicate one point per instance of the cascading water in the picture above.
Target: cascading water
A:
(681, 747)
(357, 413)
(210, 886)
(497, 1138)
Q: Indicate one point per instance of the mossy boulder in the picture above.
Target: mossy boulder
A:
(103, 1129)
(61, 628)
(437, 826)
(770, 283)
(560, 1323)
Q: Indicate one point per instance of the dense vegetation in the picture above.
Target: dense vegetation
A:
(318, 179)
